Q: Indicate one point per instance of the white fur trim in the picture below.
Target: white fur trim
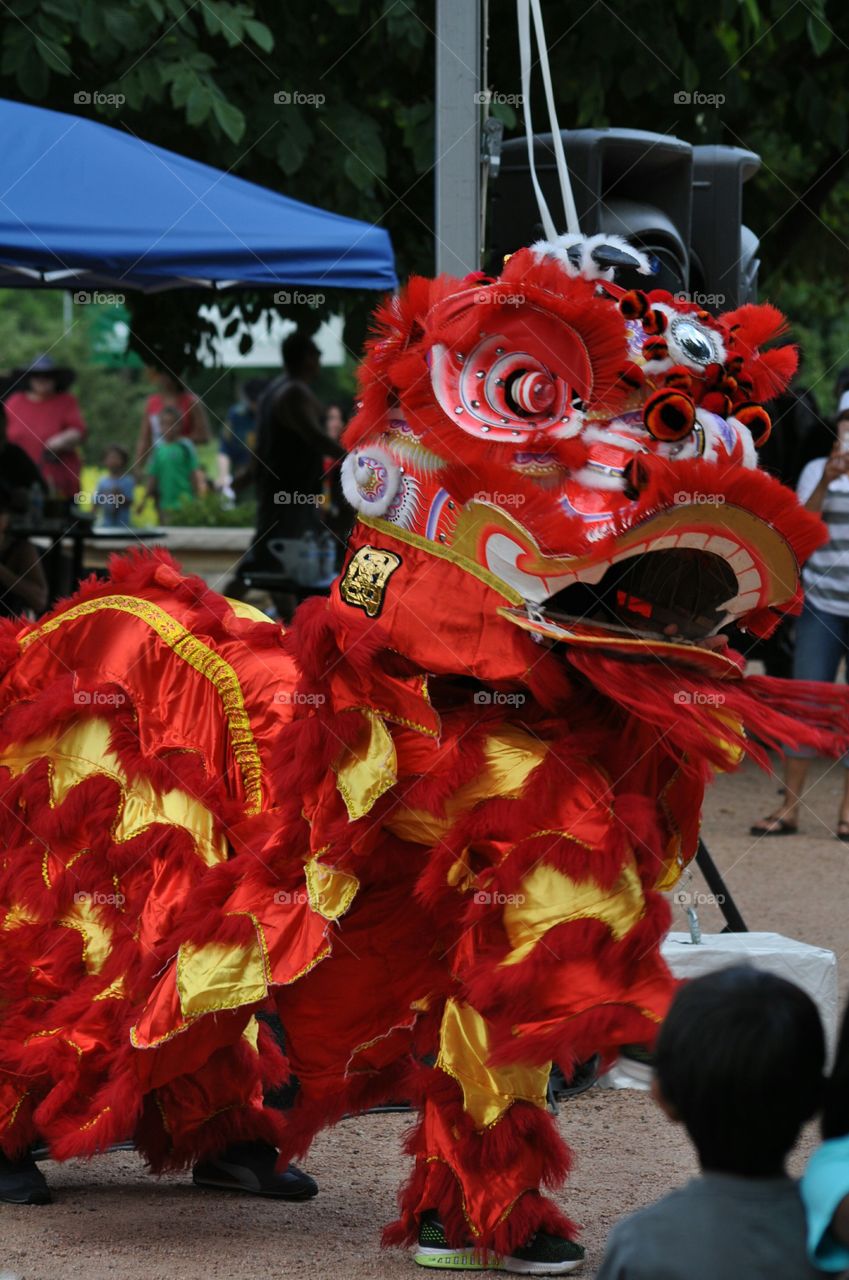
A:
(610, 435)
(589, 269)
(566, 430)
(365, 489)
(750, 453)
(591, 479)
(705, 421)
(557, 249)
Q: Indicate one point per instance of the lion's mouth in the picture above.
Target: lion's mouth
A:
(680, 575)
(677, 594)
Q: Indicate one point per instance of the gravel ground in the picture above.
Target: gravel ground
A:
(112, 1222)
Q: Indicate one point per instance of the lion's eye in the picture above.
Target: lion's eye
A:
(694, 344)
(531, 391)
(500, 393)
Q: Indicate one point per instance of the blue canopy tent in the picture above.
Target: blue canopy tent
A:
(86, 206)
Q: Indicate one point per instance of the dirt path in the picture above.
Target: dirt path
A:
(112, 1222)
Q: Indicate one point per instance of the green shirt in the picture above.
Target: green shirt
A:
(172, 465)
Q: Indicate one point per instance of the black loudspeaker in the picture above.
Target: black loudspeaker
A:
(625, 181)
(723, 252)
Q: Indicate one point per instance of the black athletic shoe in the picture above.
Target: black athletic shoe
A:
(249, 1167)
(22, 1182)
(544, 1255)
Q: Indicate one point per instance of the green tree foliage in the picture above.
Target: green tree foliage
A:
(333, 104)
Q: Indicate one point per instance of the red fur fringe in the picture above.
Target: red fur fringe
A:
(492, 1150)
(706, 721)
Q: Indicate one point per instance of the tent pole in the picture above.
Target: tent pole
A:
(458, 136)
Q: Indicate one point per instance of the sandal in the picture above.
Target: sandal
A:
(842, 832)
(778, 826)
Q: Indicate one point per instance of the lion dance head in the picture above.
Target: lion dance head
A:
(549, 452)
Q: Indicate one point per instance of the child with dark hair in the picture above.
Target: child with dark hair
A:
(174, 472)
(825, 1186)
(113, 496)
(739, 1063)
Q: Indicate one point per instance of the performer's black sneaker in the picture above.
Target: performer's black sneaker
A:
(22, 1182)
(544, 1255)
(249, 1167)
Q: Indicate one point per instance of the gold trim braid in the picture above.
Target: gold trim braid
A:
(204, 660)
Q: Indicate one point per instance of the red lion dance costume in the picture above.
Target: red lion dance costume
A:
(432, 825)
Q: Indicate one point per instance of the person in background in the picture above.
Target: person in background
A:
(822, 629)
(23, 586)
(44, 419)
(739, 1063)
(334, 421)
(113, 496)
(17, 468)
(237, 442)
(337, 516)
(797, 436)
(291, 452)
(173, 470)
(174, 394)
(825, 1185)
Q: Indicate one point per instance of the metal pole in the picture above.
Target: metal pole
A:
(458, 140)
(734, 922)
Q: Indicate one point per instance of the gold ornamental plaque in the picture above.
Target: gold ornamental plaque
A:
(363, 585)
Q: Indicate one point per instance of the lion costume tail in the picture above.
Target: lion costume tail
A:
(136, 726)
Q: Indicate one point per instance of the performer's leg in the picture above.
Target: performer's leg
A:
(558, 958)
(481, 1155)
(819, 646)
(217, 1116)
(22, 1182)
(354, 1021)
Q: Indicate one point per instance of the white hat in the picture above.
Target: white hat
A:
(843, 403)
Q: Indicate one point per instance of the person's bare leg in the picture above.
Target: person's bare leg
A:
(795, 773)
(787, 814)
(843, 820)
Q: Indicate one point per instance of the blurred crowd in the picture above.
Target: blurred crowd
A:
(278, 446)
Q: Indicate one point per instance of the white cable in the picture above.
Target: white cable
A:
(572, 224)
(524, 8)
(524, 18)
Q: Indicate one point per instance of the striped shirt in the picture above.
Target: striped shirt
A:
(826, 574)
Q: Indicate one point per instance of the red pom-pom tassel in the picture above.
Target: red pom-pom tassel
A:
(632, 376)
(633, 304)
(655, 349)
(755, 417)
(716, 402)
(669, 415)
(655, 321)
(679, 377)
